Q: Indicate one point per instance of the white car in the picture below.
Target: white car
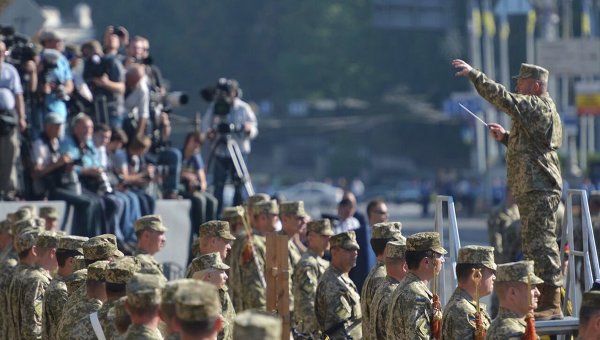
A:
(318, 197)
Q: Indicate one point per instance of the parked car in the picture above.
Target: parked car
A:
(318, 197)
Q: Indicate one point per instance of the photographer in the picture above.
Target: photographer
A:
(137, 101)
(228, 116)
(105, 76)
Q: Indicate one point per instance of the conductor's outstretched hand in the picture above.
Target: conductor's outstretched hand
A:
(463, 67)
(497, 131)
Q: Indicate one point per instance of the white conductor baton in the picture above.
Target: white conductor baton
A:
(472, 114)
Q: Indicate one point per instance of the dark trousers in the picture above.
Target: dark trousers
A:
(87, 210)
(222, 170)
(203, 209)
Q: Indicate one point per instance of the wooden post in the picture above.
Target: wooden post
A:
(277, 277)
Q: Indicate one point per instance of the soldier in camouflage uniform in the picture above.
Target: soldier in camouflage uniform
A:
(247, 266)
(6, 241)
(197, 310)
(255, 324)
(214, 236)
(74, 282)
(167, 306)
(50, 216)
(151, 237)
(533, 169)
(235, 216)
(210, 268)
(381, 234)
(143, 299)
(459, 317)
(306, 276)
(515, 283)
(337, 303)
(395, 265)
(411, 312)
(589, 316)
(122, 318)
(499, 221)
(56, 294)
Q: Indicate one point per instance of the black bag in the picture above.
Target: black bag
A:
(8, 121)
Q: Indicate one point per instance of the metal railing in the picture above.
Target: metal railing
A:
(454, 241)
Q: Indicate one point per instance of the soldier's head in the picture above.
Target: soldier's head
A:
(95, 280)
(75, 280)
(346, 208)
(344, 251)
(515, 283)
(215, 236)
(377, 211)
(198, 311)
(50, 216)
(45, 247)
(319, 233)
(118, 273)
(24, 245)
(210, 268)
(101, 248)
(382, 233)
(252, 201)
(69, 247)
(167, 302)
(293, 217)
(255, 324)
(589, 315)
(532, 80)
(235, 216)
(143, 296)
(424, 254)
(476, 263)
(395, 259)
(266, 215)
(150, 232)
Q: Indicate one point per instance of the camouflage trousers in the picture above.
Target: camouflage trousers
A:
(538, 234)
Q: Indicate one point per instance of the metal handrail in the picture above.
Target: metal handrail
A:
(454, 240)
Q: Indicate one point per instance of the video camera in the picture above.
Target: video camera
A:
(94, 67)
(18, 46)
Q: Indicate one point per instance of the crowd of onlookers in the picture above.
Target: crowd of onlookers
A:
(88, 124)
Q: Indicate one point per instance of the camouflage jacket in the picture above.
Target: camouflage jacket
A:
(75, 313)
(245, 282)
(106, 316)
(372, 282)
(83, 329)
(7, 269)
(147, 262)
(136, 332)
(306, 276)
(337, 306)
(380, 307)
(15, 300)
(55, 299)
(410, 312)
(531, 158)
(458, 321)
(34, 282)
(498, 223)
(506, 326)
(228, 313)
(8, 253)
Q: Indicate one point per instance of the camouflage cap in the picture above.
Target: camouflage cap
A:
(257, 198)
(153, 222)
(49, 212)
(22, 214)
(395, 250)
(121, 270)
(216, 228)
(345, 240)
(5, 227)
(76, 279)
(48, 239)
(267, 207)
(98, 248)
(170, 289)
(207, 261)
(256, 324)
(477, 255)
(79, 263)
(21, 225)
(31, 208)
(112, 238)
(591, 299)
(26, 239)
(385, 230)
(231, 213)
(97, 271)
(531, 71)
(295, 208)
(521, 271)
(40, 222)
(144, 289)
(425, 241)
(198, 301)
(71, 242)
(322, 227)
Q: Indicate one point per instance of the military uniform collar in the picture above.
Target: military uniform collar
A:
(506, 313)
(411, 277)
(461, 293)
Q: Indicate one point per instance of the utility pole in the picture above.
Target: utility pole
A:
(490, 71)
(474, 28)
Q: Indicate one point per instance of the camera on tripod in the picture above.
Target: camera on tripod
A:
(18, 46)
(222, 96)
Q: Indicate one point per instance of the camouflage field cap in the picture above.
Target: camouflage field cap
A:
(395, 250)
(98, 248)
(257, 198)
(208, 261)
(121, 270)
(5, 227)
(256, 324)
(591, 299)
(144, 289)
(267, 207)
(385, 230)
(22, 214)
(72, 242)
(79, 263)
(48, 239)
(26, 239)
(423, 241)
(530, 71)
(40, 222)
(112, 238)
(216, 228)
(153, 222)
(75, 280)
(477, 255)
(232, 213)
(97, 271)
(521, 271)
(322, 227)
(31, 208)
(21, 225)
(197, 301)
(345, 240)
(295, 208)
(49, 212)
(170, 289)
